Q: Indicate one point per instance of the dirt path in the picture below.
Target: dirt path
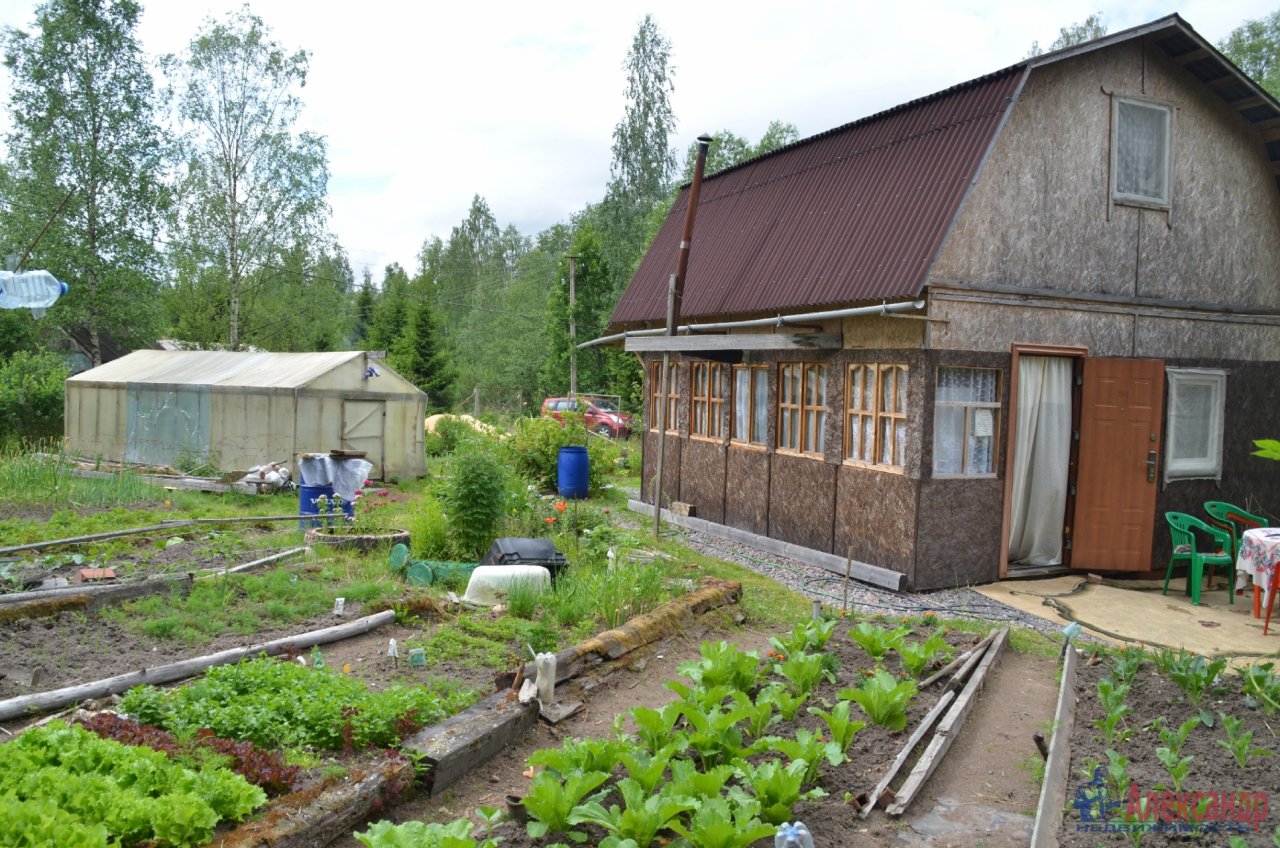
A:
(982, 795)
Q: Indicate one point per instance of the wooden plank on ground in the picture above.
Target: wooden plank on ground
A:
(926, 724)
(462, 742)
(958, 661)
(949, 727)
(1053, 789)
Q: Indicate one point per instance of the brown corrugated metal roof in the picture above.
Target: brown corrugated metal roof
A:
(852, 215)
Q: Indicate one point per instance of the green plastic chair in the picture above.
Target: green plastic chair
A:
(1181, 526)
(1235, 520)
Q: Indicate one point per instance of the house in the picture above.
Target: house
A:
(997, 330)
(234, 410)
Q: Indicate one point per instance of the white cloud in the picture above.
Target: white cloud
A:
(425, 105)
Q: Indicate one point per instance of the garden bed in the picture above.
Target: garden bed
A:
(1146, 763)
(807, 735)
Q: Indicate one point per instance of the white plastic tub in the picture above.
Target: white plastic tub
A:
(489, 583)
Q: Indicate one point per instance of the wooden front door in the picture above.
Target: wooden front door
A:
(1115, 507)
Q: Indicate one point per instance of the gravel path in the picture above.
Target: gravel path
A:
(817, 583)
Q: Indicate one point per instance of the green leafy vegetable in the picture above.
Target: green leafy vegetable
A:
(720, 823)
(551, 801)
(883, 699)
(775, 787)
(1240, 742)
(640, 818)
(876, 640)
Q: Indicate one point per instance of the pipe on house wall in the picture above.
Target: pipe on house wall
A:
(777, 321)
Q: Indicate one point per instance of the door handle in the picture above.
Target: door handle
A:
(1151, 466)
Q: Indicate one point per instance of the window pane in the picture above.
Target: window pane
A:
(741, 402)
(1141, 150)
(868, 438)
(948, 440)
(855, 387)
(902, 390)
(886, 390)
(869, 391)
(980, 455)
(900, 451)
(974, 385)
(886, 441)
(760, 412)
(1193, 413)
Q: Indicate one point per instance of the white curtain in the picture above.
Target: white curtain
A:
(1040, 460)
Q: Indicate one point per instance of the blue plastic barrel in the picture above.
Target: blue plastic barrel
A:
(307, 497)
(572, 472)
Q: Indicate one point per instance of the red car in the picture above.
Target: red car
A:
(600, 414)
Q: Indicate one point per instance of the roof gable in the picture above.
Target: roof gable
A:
(857, 214)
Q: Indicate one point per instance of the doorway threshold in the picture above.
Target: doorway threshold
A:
(1020, 572)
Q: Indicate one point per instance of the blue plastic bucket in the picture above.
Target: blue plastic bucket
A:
(573, 472)
(307, 497)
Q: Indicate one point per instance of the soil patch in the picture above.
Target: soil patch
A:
(1213, 769)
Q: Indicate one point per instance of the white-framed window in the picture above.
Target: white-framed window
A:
(750, 404)
(876, 415)
(1193, 437)
(1141, 145)
(966, 421)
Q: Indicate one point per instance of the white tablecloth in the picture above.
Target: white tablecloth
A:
(1259, 554)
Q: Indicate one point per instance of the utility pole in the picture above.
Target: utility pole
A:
(573, 330)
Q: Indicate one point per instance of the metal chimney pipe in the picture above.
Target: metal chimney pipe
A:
(682, 264)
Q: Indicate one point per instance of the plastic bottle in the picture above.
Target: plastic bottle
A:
(317, 660)
(793, 836)
(546, 666)
(34, 290)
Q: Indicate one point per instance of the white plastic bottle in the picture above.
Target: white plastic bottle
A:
(793, 836)
(34, 290)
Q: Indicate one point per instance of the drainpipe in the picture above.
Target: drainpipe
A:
(675, 295)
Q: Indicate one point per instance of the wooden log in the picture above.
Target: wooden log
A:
(1053, 789)
(949, 727)
(42, 701)
(926, 724)
(462, 742)
(93, 597)
(318, 815)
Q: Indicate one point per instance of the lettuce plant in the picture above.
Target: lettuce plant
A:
(581, 755)
(724, 664)
(716, 736)
(775, 787)
(843, 728)
(647, 769)
(804, 637)
(1261, 686)
(1111, 697)
(804, 672)
(1240, 742)
(416, 834)
(883, 699)
(876, 640)
(640, 818)
(919, 656)
(655, 729)
(688, 781)
(787, 703)
(1194, 674)
(808, 747)
(761, 714)
(551, 801)
(719, 823)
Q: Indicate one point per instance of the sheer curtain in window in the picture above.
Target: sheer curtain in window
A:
(1040, 460)
(1141, 142)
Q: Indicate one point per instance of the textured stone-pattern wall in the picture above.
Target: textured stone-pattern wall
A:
(746, 504)
(1041, 215)
(958, 538)
(981, 322)
(876, 518)
(1172, 338)
(702, 478)
(801, 501)
(1250, 482)
(670, 468)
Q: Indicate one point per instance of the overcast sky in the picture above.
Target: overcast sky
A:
(426, 104)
